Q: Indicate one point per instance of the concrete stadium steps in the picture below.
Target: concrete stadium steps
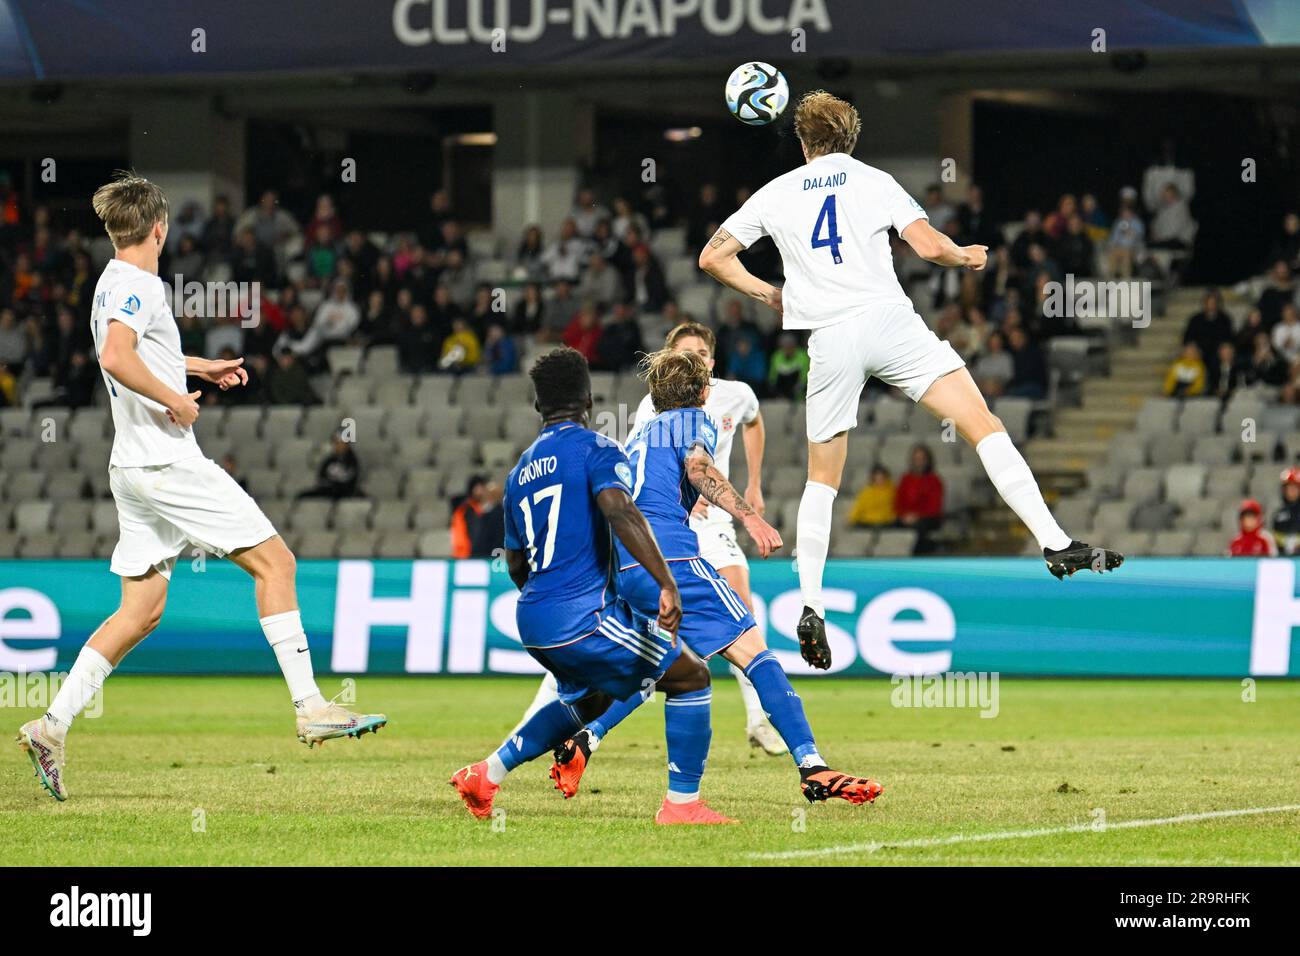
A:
(1082, 435)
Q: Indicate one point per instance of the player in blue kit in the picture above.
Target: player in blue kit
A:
(569, 491)
(672, 466)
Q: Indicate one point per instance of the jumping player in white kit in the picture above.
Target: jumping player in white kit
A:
(168, 494)
(830, 220)
(732, 406)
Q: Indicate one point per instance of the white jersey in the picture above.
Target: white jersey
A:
(830, 221)
(143, 434)
(730, 405)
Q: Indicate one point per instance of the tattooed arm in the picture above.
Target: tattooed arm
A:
(710, 483)
(719, 259)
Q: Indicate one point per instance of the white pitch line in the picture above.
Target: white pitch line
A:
(1019, 834)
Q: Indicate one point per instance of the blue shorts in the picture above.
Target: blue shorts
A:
(713, 615)
(624, 655)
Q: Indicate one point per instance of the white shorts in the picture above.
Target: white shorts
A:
(718, 545)
(892, 343)
(162, 508)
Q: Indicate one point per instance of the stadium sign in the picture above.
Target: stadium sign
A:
(1155, 617)
(64, 39)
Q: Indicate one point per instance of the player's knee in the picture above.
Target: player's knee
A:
(985, 424)
(146, 620)
(697, 678)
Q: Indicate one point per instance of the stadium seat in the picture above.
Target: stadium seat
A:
(392, 392)
(475, 391)
(853, 542)
(381, 361)
(895, 543)
(483, 422)
(397, 544)
(1214, 450)
(1184, 483)
(355, 392)
(1211, 543)
(88, 424)
(1158, 416)
(358, 543)
(1172, 544)
(317, 544)
(1132, 543)
(1113, 516)
(1199, 416)
(434, 544)
(103, 518)
(75, 544)
(408, 423)
(352, 514)
(344, 359)
(281, 423)
(39, 545)
(455, 451)
(310, 514)
(1143, 485)
(1227, 481)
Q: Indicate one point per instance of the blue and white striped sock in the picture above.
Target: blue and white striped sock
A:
(688, 727)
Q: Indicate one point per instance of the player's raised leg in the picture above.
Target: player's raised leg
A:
(817, 780)
(956, 397)
(813, 535)
(274, 571)
(143, 600)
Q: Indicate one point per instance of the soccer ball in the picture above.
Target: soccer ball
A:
(757, 93)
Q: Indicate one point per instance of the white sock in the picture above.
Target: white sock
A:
(1011, 476)
(675, 797)
(289, 641)
(496, 769)
(753, 708)
(812, 540)
(83, 682)
(813, 759)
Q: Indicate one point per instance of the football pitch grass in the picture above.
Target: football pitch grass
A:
(206, 771)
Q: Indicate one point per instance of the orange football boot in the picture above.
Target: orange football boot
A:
(697, 812)
(475, 788)
(823, 783)
(570, 762)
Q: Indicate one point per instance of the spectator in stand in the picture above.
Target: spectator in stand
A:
(620, 340)
(625, 218)
(1094, 218)
(746, 363)
(1032, 234)
(1172, 226)
(461, 350)
(417, 342)
(1287, 247)
(484, 310)
(1075, 250)
(13, 340)
(288, 382)
(600, 283)
(1286, 335)
(977, 226)
(1165, 172)
(529, 263)
(339, 473)
(1210, 327)
(326, 226)
(337, 320)
(1286, 520)
(937, 208)
(250, 261)
(787, 375)
(439, 215)
(1252, 540)
(586, 212)
(446, 310)
(530, 312)
(1029, 375)
(918, 499)
(1280, 290)
(560, 314)
(322, 256)
(76, 385)
(1127, 237)
(1058, 220)
(565, 257)
(488, 532)
(8, 387)
(187, 262)
(874, 505)
(1225, 374)
(377, 321)
(218, 235)
(1186, 376)
(1265, 366)
(224, 333)
(272, 227)
(994, 368)
(649, 288)
(500, 353)
(583, 334)
(607, 244)
(704, 216)
(457, 276)
(468, 539)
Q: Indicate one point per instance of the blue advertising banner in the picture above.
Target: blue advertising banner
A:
(1154, 617)
(56, 39)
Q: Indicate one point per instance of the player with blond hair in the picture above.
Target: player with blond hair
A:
(830, 220)
(168, 494)
(732, 407)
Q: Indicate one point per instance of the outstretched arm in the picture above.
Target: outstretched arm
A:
(719, 258)
(933, 246)
(709, 482)
(631, 528)
(226, 373)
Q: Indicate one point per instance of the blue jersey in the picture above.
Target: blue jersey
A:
(658, 451)
(551, 514)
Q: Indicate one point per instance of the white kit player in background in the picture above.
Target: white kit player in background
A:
(168, 495)
(830, 220)
(731, 406)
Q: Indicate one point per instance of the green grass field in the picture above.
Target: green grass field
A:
(167, 748)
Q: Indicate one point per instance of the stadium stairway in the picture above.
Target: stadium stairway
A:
(1082, 434)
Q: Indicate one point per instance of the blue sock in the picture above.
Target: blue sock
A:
(544, 731)
(689, 729)
(783, 706)
(615, 715)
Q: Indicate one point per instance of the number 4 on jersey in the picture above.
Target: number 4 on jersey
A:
(827, 217)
